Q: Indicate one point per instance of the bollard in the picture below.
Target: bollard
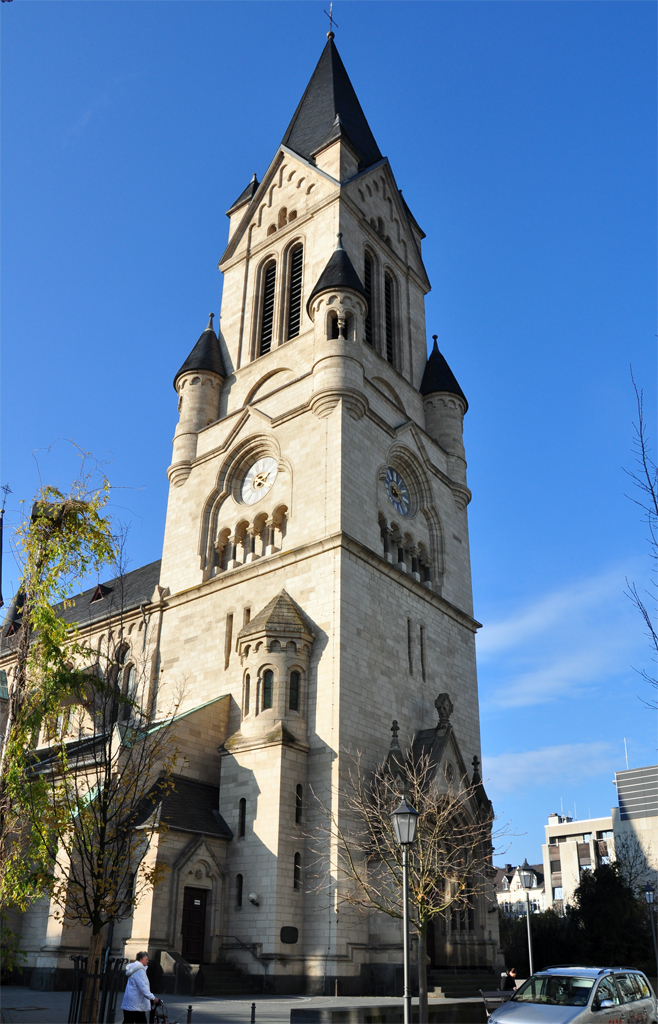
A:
(253, 1013)
(189, 1014)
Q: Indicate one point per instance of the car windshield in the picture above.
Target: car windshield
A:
(555, 990)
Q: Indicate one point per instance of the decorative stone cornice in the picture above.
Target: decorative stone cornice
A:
(332, 542)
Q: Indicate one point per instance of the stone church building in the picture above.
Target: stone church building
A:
(315, 576)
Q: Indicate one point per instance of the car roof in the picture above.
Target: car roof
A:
(582, 972)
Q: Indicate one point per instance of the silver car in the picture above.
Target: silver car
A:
(588, 995)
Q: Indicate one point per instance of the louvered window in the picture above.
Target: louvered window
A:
(367, 282)
(267, 314)
(295, 294)
(388, 311)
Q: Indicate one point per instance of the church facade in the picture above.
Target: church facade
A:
(315, 574)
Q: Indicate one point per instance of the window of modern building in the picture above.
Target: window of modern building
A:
(295, 291)
(293, 700)
(558, 892)
(389, 318)
(297, 872)
(267, 309)
(239, 882)
(268, 689)
(368, 288)
(299, 804)
(242, 818)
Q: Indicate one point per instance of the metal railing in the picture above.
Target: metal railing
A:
(250, 948)
(106, 978)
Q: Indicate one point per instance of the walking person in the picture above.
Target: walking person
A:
(137, 998)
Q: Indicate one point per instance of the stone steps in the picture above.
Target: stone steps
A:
(225, 979)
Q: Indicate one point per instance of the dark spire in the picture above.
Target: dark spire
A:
(328, 94)
(246, 196)
(205, 355)
(438, 376)
(395, 758)
(338, 273)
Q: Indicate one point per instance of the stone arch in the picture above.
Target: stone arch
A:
(390, 392)
(196, 856)
(266, 380)
(246, 451)
(408, 464)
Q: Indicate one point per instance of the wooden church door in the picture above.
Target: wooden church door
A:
(194, 924)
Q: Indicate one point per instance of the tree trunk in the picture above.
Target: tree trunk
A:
(90, 998)
(422, 973)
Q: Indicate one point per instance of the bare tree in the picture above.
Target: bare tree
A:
(645, 479)
(449, 862)
(632, 859)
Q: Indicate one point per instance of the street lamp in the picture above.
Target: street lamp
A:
(649, 893)
(526, 874)
(405, 820)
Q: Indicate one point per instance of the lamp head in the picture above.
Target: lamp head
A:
(253, 898)
(649, 893)
(405, 821)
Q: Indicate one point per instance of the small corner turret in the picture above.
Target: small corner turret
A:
(338, 307)
(445, 405)
(198, 384)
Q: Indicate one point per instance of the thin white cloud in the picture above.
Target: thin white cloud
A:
(564, 763)
(549, 611)
(567, 642)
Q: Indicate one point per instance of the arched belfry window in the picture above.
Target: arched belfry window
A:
(268, 689)
(267, 309)
(295, 291)
(368, 275)
(389, 318)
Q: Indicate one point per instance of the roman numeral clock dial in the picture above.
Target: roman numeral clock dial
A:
(398, 492)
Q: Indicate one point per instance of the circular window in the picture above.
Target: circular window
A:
(258, 480)
(398, 492)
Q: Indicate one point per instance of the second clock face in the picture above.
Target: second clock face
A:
(258, 480)
(398, 492)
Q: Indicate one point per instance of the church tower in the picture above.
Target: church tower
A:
(316, 571)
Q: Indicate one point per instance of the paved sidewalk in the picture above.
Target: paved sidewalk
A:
(24, 1006)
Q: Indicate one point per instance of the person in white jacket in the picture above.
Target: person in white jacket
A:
(138, 997)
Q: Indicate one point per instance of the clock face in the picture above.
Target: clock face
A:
(398, 492)
(258, 480)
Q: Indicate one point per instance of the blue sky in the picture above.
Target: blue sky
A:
(523, 136)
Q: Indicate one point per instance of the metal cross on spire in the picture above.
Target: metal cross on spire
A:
(332, 21)
(6, 489)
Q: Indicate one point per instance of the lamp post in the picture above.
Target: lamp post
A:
(649, 893)
(405, 820)
(526, 875)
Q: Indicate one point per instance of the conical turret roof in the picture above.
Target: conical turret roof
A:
(328, 94)
(280, 617)
(205, 355)
(338, 273)
(439, 377)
